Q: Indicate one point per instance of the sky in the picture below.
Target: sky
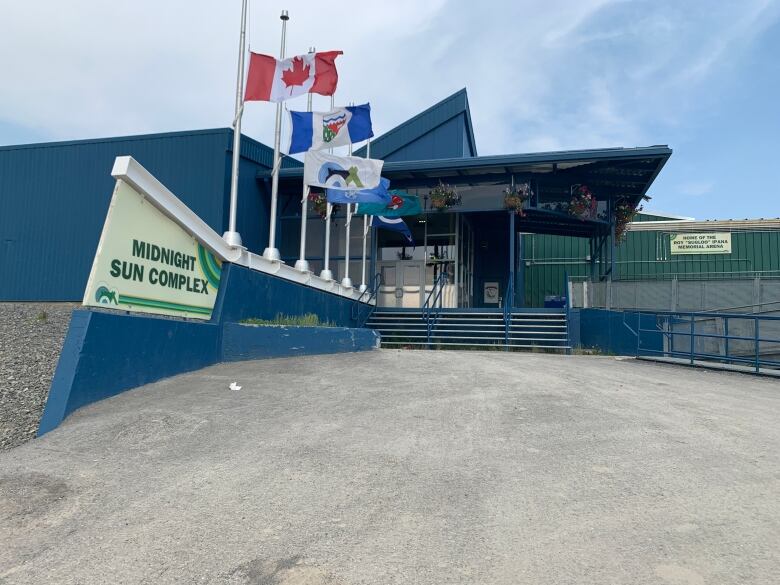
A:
(700, 76)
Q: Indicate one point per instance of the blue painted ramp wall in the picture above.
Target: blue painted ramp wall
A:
(108, 352)
(247, 294)
(613, 331)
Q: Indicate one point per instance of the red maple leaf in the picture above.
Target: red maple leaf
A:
(298, 74)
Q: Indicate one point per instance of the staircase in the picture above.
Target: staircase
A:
(544, 329)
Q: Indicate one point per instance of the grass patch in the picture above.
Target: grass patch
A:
(591, 351)
(307, 320)
(42, 317)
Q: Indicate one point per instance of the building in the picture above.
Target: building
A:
(55, 196)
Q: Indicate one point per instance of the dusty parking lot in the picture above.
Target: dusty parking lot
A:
(406, 467)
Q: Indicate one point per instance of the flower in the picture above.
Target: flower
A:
(515, 197)
(444, 196)
(583, 203)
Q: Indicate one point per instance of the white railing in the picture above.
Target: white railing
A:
(131, 171)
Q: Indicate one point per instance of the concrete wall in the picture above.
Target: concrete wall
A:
(108, 352)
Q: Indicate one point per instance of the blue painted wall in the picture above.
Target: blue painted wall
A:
(54, 198)
(607, 331)
(108, 352)
(247, 342)
(491, 254)
(246, 294)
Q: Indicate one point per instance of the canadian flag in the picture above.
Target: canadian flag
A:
(272, 80)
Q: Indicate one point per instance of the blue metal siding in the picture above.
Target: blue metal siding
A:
(425, 137)
(444, 141)
(54, 198)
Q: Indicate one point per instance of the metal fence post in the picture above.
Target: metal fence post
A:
(693, 326)
(758, 362)
(726, 335)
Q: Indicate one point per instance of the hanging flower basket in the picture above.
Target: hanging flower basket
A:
(319, 202)
(516, 196)
(444, 196)
(583, 204)
(624, 214)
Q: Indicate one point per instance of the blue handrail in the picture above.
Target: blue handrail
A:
(666, 320)
(430, 311)
(508, 303)
(566, 308)
(371, 293)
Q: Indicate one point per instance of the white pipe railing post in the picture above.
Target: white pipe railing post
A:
(363, 285)
(302, 264)
(327, 273)
(272, 252)
(231, 236)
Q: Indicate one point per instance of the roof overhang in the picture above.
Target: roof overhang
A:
(613, 171)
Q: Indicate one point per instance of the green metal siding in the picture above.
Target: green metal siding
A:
(644, 256)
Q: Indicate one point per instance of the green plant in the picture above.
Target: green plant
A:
(307, 320)
(42, 317)
(444, 196)
(583, 203)
(624, 214)
(515, 197)
(319, 201)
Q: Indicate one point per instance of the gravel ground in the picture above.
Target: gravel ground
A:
(31, 336)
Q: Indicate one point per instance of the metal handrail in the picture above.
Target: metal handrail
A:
(566, 307)
(429, 306)
(372, 292)
(665, 321)
(508, 302)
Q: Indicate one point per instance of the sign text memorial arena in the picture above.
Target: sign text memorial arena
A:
(703, 243)
(145, 262)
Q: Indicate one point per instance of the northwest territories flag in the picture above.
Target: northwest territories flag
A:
(321, 169)
(398, 204)
(318, 130)
(377, 196)
(395, 223)
(272, 80)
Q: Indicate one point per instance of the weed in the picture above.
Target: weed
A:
(307, 320)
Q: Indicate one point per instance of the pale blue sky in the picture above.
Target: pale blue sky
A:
(700, 76)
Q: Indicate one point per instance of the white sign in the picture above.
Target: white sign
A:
(703, 243)
(147, 263)
(491, 293)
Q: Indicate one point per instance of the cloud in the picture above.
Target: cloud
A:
(695, 188)
(554, 75)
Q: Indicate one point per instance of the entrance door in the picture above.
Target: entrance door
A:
(402, 284)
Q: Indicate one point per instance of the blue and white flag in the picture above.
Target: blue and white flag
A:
(393, 223)
(318, 130)
(379, 194)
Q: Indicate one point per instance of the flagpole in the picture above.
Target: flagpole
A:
(363, 286)
(231, 236)
(326, 272)
(347, 281)
(302, 264)
(271, 252)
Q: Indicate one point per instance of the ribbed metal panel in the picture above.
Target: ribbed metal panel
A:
(54, 198)
(646, 255)
(442, 131)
